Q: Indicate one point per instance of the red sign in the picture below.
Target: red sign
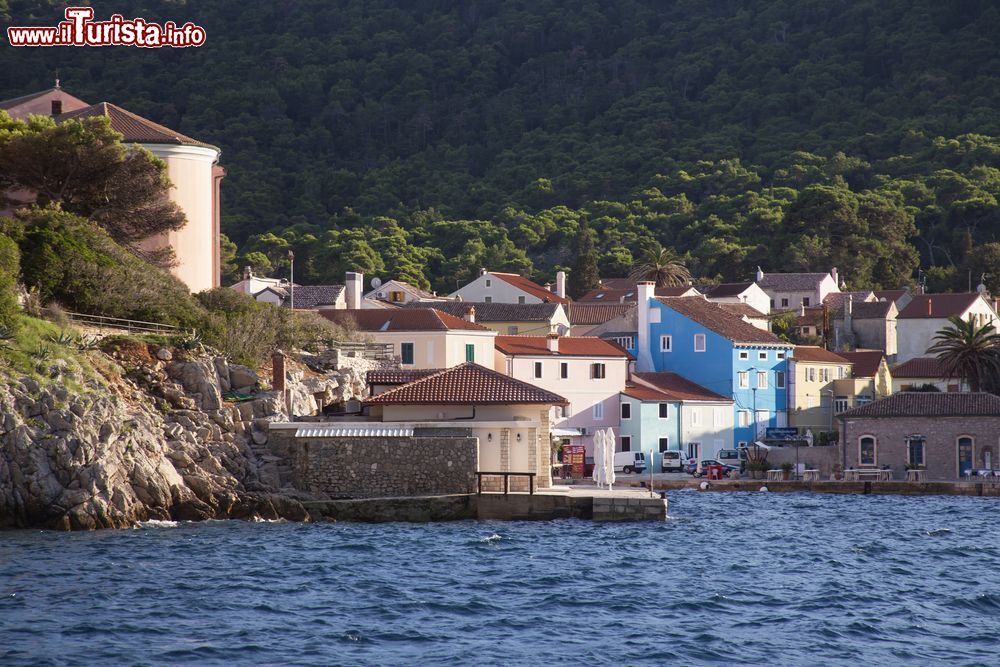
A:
(574, 455)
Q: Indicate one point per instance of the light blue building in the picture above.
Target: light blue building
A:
(721, 352)
(664, 411)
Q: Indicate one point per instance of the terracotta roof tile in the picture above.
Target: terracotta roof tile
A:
(134, 128)
(628, 294)
(569, 346)
(919, 367)
(493, 312)
(467, 384)
(645, 394)
(866, 362)
(817, 354)
(531, 288)
(722, 322)
(400, 319)
(891, 294)
(679, 388)
(791, 282)
(17, 101)
(398, 375)
(929, 306)
(597, 313)
(929, 404)
(741, 310)
(724, 290)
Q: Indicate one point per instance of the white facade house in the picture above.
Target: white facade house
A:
(495, 287)
(749, 293)
(399, 292)
(788, 291)
(927, 314)
(589, 372)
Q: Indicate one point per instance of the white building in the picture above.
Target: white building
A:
(399, 292)
(787, 291)
(927, 314)
(749, 293)
(495, 287)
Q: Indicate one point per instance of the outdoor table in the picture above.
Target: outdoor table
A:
(876, 473)
(810, 475)
(916, 475)
(775, 475)
(885, 475)
(851, 475)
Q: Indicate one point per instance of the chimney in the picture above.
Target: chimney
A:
(552, 342)
(278, 371)
(561, 284)
(760, 274)
(483, 271)
(836, 279)
(930, 307)
(56, 107)
(470, 314)
(247, 273)
(353, 282)
(644, 295)
(848, 313)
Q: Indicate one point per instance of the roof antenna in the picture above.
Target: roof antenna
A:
(57, 79)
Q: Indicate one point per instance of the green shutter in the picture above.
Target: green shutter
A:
(470, 352)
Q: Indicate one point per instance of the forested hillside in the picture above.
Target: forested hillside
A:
(424, 139)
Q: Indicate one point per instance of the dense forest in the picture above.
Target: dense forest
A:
(424, 139)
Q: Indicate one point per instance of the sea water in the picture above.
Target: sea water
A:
(729, 579)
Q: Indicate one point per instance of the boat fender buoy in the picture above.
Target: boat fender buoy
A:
(763, 489)
(704, 485)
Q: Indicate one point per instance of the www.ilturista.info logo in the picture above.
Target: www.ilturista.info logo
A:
(79, 29)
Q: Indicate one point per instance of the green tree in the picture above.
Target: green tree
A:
(969, 352)
(10, 261)
(663, 267)
(583, 275)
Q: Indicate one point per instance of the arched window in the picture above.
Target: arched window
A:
(866, 450)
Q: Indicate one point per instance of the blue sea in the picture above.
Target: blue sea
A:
(729, 579)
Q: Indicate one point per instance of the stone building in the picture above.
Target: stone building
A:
(949, 434)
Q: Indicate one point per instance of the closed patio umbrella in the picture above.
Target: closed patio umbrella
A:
(609, 456)
(599, 458)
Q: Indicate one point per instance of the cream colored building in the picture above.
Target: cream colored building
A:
(498, 287)
(813, 399)
(508, 319)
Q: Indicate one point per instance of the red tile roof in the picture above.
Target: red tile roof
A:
(724, 290)
(930, 404)
(397, 375)
(929, 306)
(468, 384)
(679, 388)
(722, 322)
(866, 362)
(628, 294)
(569, 346)
(741, 310)
(891, 294)
(597, 313)
(817, 354)
(134, 128)
(531, 288)
(645, 394)
(400, 319)
(919, 367)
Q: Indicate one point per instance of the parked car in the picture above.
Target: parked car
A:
(673, 461)
(629, 462)
(692, 467)
(733, 457)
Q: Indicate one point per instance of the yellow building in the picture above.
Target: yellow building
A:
(816, 376)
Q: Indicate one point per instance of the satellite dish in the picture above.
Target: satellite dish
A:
(376, 283)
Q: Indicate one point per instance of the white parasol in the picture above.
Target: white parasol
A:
(609, 457)
(599, 458)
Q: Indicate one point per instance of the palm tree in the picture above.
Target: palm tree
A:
(662, 266)
(970, 352)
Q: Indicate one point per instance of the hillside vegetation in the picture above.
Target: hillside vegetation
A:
(424, 139)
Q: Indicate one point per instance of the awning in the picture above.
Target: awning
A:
(566, 432)
(353, 432)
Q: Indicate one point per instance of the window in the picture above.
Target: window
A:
(470, 352)
(598, 411)
(805, 301)
(487, 299)
(406, 353)
(666, 342)
(952, 388)
(744, 355)
(624, 341)
(840, 404)
(626, 443)
(396, 296)
(626, 410)
(915, 450)
(772, 303)
(744, 420)
(564, 370)
(784, 303)
(864, 400)
(695, 417)
(744, 377)
(489, 283)
(780, 355)
(779, 380)
(810, 375)
(520, 299)
(694, 450)
(664, 444)
(597, 371)
(866, 450)
(664, 411)
(699, 342)
(762, 379)
(762, 356)
(511, 331)
(538, 369)
(743, 443)
(824, 375)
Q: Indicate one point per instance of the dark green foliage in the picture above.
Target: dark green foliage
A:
(969, 351)
(583, 277)
(695, 125)
(10, 262)
(74, 263)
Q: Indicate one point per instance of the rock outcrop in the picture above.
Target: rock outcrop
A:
(161, 442)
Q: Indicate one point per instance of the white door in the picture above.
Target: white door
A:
(762, 417)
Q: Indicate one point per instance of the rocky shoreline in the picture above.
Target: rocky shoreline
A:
(157, 441)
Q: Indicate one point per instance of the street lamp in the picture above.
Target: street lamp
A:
(291, 279)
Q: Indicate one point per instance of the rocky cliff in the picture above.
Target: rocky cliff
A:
(155, 440)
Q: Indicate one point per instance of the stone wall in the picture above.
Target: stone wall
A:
(374, 467)
(814, 458)
(940, 449)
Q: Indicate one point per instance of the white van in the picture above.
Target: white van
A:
(734, 457)
(628, 462)
(673, 460)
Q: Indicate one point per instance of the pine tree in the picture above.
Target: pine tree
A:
(583, 275)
